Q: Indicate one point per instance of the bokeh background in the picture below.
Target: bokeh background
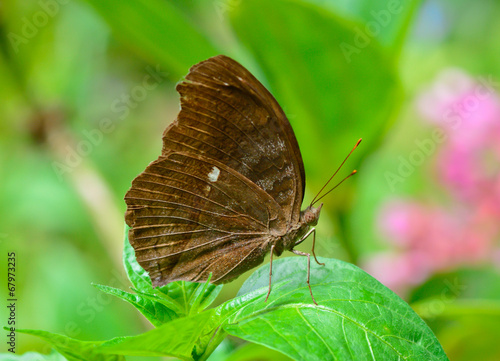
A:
(88, 86)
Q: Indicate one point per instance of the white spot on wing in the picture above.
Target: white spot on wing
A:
(214, 174)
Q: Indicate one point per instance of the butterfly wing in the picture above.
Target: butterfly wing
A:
(228, 115)
(230, 178)
(191, 215)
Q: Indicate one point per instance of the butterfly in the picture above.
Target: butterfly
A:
(228, 186)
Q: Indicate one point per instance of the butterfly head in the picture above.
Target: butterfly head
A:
(310, 215)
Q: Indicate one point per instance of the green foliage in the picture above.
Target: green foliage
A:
(357, 318)
(157, 30)
(325, 83)
(71, 349)
(73, 69)
(166, 303)
(389, 19)
(179, 338)
(247, 352)
(33, 356)
(459, 305)
(154, 308)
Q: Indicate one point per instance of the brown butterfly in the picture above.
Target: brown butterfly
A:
(228, 186)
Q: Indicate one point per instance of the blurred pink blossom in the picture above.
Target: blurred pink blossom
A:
(469, 112)
(429, 238)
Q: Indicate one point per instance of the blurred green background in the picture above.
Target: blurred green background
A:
(87, 88)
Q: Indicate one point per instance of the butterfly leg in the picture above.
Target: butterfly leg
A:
(314, 242)
(313, 232)
(308, 271)
(270, 273)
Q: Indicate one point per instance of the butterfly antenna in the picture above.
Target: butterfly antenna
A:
(342, 181)
(315, 199)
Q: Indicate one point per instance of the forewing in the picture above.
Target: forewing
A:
(228, 115)
(191, 215)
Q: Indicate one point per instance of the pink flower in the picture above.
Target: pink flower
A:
(429, 238)
(397, 271)
(465, 108)
(469, 112)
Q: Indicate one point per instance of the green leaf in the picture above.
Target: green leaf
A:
(453, 309)
(158, 31)
(204, 295)
(222, 352)
(176, 339)
(463, 309)
(190, 297)
(181, 298)
(386, 21)
(357, 317)
(74, 350)
(232, 351)
(136, 274)
(331, 96)
(154, 310)
(251, 352)
(32, 356)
